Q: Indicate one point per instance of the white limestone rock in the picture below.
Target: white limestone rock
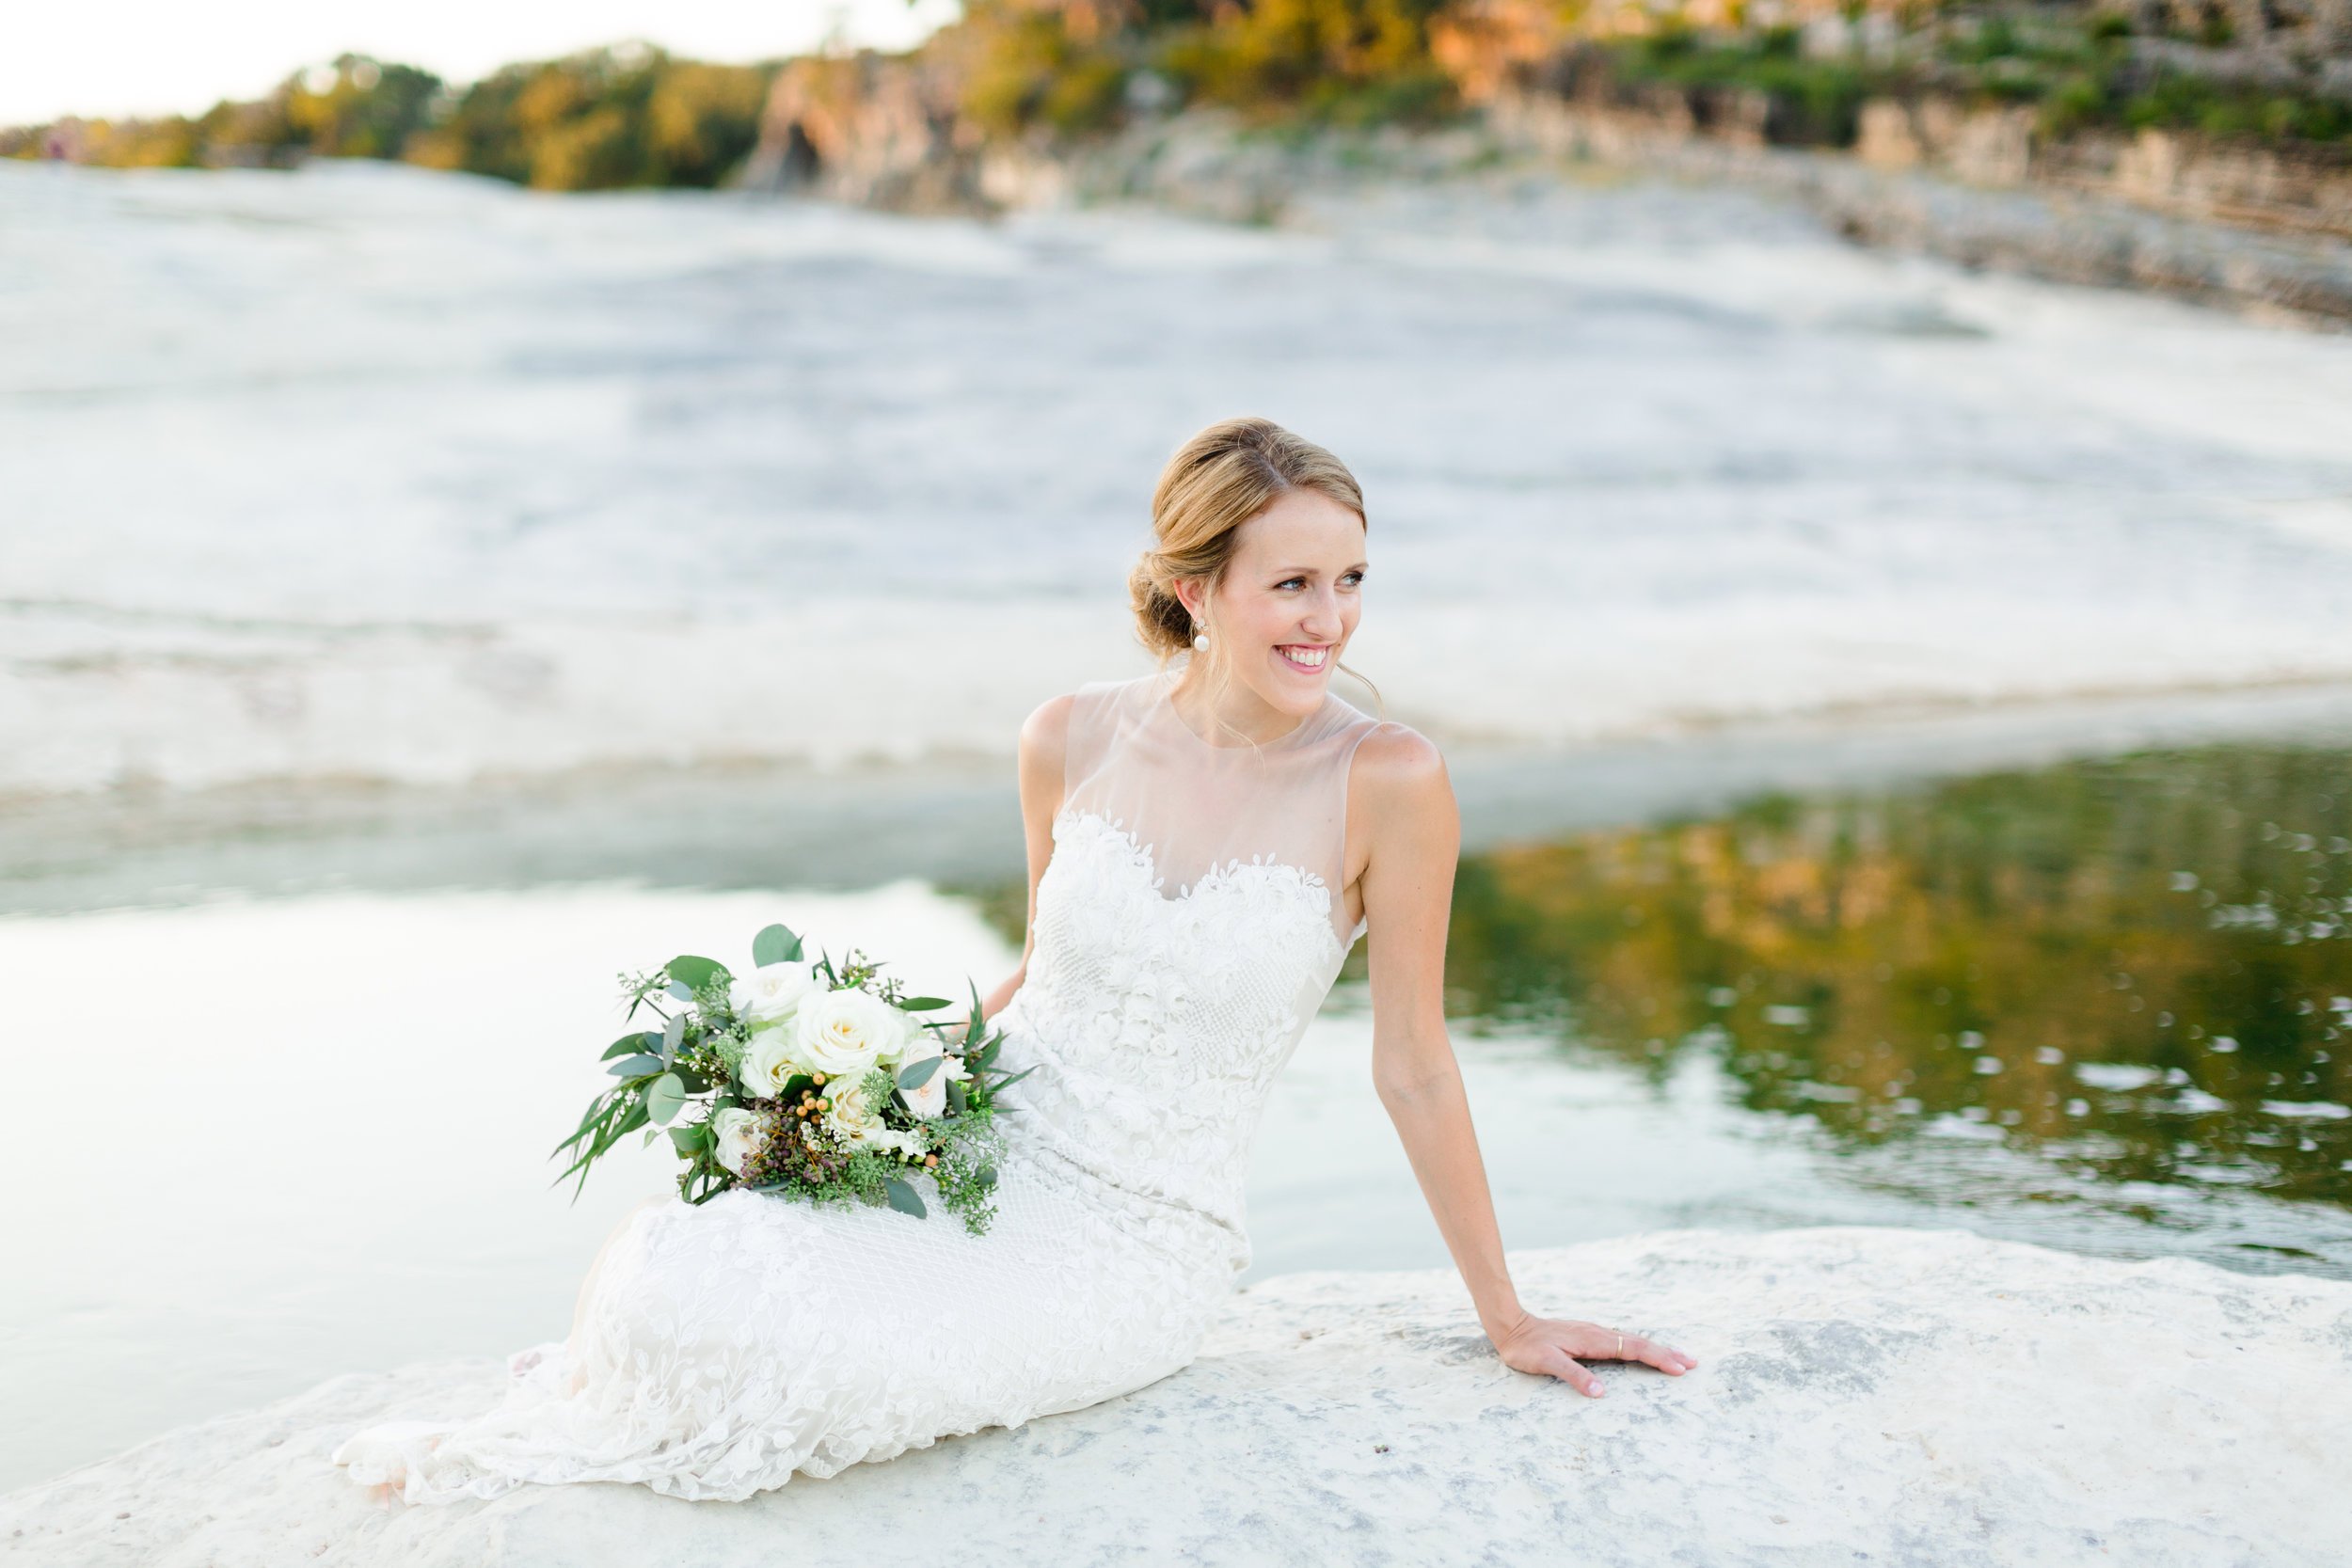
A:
(1863, 1395)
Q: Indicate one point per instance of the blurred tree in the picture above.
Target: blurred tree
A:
(603, 119)
(357, 108)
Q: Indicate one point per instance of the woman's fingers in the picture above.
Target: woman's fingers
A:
(1568, 1370)
(1661, 1357)
(1545, 1346)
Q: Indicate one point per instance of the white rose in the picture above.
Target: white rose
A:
(929, 1100)
(769, 995)
(849, 1113)
(770, 1058)
(847, 1033)
(736, 1134)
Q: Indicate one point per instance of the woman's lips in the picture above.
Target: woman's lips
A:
(1308, 658)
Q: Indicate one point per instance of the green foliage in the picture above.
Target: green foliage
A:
(2177, 101)
(1348, 62)
(1814, 103)
(664, 1097)
(358, 107)
(776, 944)
(2078, 103)
(693, 972)
(606, 119)
(702, 120)
(1067, 70)
(631, 115)
(2078, 75)
(362, 109)
(602, 121)
(1030, 69)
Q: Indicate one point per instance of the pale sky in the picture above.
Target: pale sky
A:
(155, 57)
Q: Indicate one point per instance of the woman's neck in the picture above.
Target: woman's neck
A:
(1232, 715)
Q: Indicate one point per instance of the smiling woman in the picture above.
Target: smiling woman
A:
(1190, 904)
(1258, 571)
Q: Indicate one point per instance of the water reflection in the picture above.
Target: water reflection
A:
(2138, 968)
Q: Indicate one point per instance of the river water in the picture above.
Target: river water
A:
(371, 485)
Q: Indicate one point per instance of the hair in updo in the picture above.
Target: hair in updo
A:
(1217, 480)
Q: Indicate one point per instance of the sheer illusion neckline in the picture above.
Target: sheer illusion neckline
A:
(1166, 702)
(1143, 861)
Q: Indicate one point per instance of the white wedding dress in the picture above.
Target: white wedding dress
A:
(1186, 930)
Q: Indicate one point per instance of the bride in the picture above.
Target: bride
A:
(1205, 844)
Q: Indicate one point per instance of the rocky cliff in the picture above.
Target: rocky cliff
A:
(1945, 158)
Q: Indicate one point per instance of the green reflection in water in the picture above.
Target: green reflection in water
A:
(2136, 967)
(2140, 968)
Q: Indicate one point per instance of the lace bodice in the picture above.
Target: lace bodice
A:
(1187, 927)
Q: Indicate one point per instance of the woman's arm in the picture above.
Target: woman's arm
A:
(1044, 740)
(1401, 808)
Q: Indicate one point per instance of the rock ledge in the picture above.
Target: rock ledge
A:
(1898, 1396)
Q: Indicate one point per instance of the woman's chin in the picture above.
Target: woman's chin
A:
(1296, 691)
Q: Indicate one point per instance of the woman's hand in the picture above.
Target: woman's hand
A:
(1556, 1347)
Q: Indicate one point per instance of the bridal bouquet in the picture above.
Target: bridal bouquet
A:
(816, 1080)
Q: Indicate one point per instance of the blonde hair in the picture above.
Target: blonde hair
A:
(1217, 480)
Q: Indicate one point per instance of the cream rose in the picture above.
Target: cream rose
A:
(770, 994)
(851, 1113)
(849, 1033)
(770, 1058)
(929, 1099)
(736, 1133)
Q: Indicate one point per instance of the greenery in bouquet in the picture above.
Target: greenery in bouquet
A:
(818, 1081)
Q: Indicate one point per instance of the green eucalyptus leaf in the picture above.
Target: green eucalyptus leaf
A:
(696, 1082)
(915, 1074)
(775, 946)
(958, 1102)
(634, 1067)
(664, 1097)
(903, 1197)
(627, 1044)
(671, 1036)
(694, 972)
(688, 1141)
(984, 1176)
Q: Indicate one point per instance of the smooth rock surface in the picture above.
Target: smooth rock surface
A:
(1887, 1396)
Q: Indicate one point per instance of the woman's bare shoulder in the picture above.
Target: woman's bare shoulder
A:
(1398, 770)
(1397, 756)
(1045, 733)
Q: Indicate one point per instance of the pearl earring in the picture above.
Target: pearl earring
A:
(1200, 640)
